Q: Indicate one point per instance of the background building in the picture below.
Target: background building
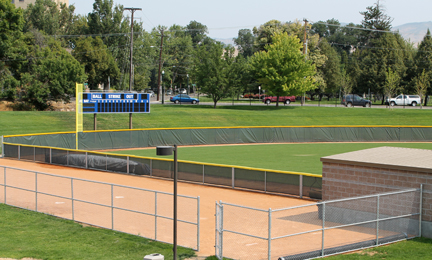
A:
(23, 3)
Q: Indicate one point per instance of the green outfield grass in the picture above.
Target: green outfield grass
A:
(297, 157)
(163, 116)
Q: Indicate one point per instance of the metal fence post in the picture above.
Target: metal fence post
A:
(34, 154)
(323, 228)
(421, 210)
(221, 230)
(67, 157)
(127, 164)
(151, 167)
(50, 155)
(86, 160)
(155, 215)
(265, 181)
(377, 217)
(36, 193)
(203, 174)
(72, 198)
(301, 186)
(232, 177)
(198, 223)
(269, 232)
(19, 152)
(112, 207)
(4, 182)
(2, 146)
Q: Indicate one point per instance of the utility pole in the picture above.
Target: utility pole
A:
(132, 9)
(304, 51)
(160, 66)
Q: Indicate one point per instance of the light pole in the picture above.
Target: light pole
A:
(164, 151)
(188, 84)
(259, 92)
(163, 98)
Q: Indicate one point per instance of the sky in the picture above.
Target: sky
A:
(224, 18)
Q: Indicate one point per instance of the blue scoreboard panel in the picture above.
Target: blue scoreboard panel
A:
(116, 103)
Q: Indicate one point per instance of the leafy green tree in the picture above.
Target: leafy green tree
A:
(11, 44)
(50, 17)
(422, 83)
(109, 20)
(391, 83)
(423, 59)
(197, 31)
(245, 42)
(97, 60)
(345, 84)
(49, 77)
(331, 68)
(282, 68)
(212, 66)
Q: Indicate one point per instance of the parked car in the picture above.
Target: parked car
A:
(183, 98)
(285, 99)
(404, 100)
(182, 91)
(355, 100)
(169, 92)
(151, 93)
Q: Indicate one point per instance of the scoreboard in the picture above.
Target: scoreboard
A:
(116, 103)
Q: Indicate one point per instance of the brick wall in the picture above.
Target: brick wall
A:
(344, 181)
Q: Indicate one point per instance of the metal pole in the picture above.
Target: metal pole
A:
(269, 233)
(198, 223)
(4, 182)
(36, 193)
(175, 204)
(112, 207)
(301, 186)
(377, 224)
(95, 121)
(155, 215)
(323, 227)
(130, 120)
(72, 198)
(2, 147)
(421, 210)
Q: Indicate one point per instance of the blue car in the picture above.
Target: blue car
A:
(183, 98)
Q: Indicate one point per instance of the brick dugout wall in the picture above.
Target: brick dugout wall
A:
(378, 170)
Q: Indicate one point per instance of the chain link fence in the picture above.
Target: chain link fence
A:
(319, 229)
(136, 211)
(269, 181)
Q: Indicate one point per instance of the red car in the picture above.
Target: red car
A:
(285, 99)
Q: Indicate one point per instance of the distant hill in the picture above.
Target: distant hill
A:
(415, 32)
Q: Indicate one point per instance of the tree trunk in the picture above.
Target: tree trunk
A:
(425, 100)
(277, 101)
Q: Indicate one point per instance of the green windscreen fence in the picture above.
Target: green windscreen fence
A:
(101, 140)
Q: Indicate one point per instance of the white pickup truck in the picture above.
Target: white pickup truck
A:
(405, 100)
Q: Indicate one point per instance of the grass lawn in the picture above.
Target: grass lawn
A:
(418, 248)
(297, 157)
(26, 233)
(163, 116)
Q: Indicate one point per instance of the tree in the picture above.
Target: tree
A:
(391, 83)
(212, 65)
(49, 77)
(422, 83)
(374, 18)
(50, 17)
(11, 45)
(109, 19)
(97, 60)
(423, 59)
(245, 42)
(282, 68)
(345, 84)
(331, 68)
(197, 31)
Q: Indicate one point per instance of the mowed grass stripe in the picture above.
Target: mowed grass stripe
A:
(296, 157)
